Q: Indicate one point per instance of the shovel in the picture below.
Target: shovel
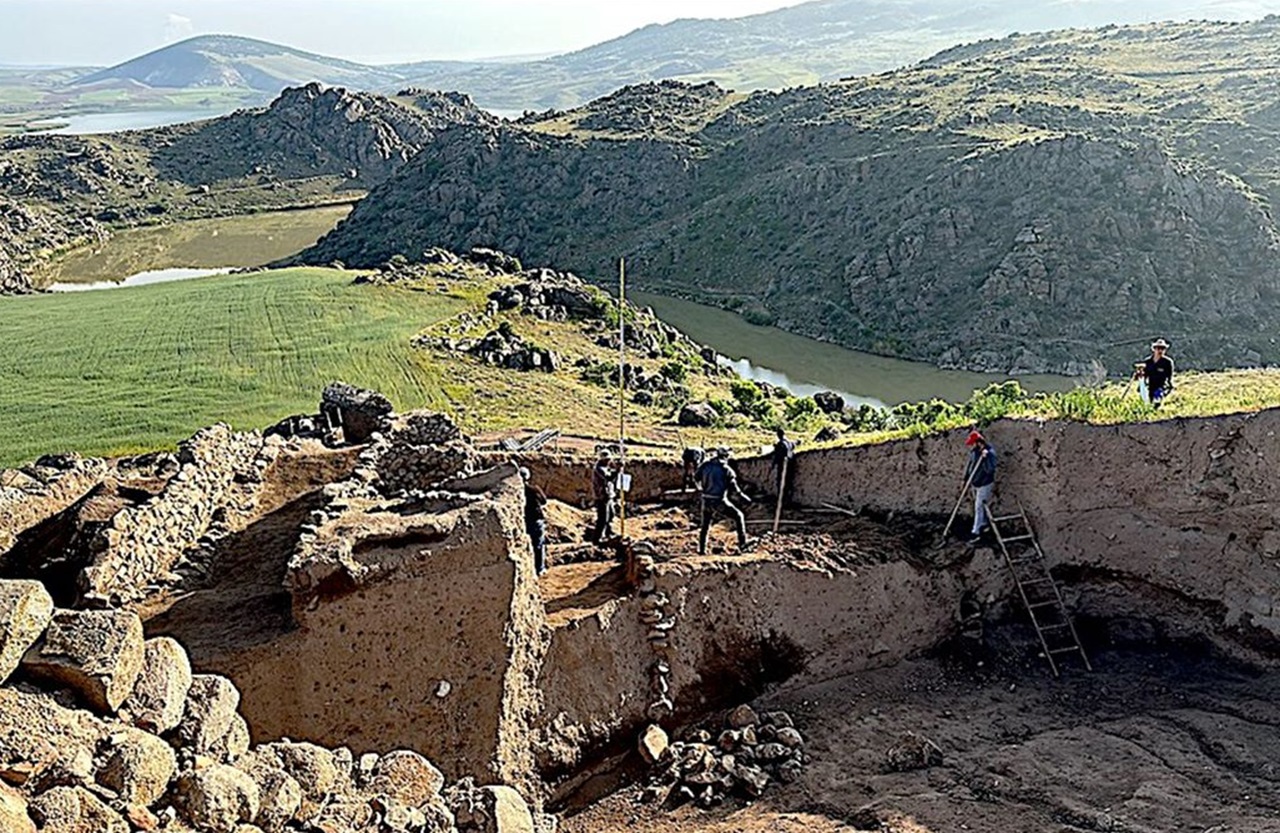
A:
(959, 500)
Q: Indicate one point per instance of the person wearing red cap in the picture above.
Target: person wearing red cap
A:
(980, 474)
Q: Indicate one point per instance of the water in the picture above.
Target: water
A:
(112, 122)
(805, 366)
(140, 279)
(219, 244)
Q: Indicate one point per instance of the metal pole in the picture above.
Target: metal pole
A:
(622, 393)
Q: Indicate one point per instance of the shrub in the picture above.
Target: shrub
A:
(677, 372)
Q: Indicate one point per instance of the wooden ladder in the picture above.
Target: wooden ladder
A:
(1038, 589)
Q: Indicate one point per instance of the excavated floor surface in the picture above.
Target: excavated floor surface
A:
(1150, 742)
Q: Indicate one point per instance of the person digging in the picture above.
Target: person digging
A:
(604, 491)
(980, 474)
(717, 480)
(783, 463)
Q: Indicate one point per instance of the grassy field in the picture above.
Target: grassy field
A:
(134, 369)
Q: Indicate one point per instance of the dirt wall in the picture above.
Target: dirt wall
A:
(739, 625)
(1181, 512)
(417, 630)
(36, 493)
(567, 478)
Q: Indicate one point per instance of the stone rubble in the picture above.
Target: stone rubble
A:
(748, 755)
(101, 732)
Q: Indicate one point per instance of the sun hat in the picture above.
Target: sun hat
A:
(1160, 343)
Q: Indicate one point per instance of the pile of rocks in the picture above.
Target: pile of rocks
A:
(551, 296)
(750, 753)
(361, 413)
(501, 347)
(422, 450)
(103, 731)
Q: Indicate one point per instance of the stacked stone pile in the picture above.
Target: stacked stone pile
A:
(143, 544)
(501, 347)
(749, 754)
(33, 493)
(103, 731)
(421, 450)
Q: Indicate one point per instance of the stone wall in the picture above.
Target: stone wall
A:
(31, 495)
(143, 544)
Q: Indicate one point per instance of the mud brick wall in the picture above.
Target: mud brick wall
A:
(30, 495)
(143, 544)
(421, 631)
(567, 478)
(1176, 515)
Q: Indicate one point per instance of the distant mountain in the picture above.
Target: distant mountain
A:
(241, 63)
(1040, 203)
(818, 41)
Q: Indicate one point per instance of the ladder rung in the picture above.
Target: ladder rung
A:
(1056, 627)
(1033, 582)
(1050, 603)
(1018, 562)
(1019, 538)
(1004, 518)
(1072, 649)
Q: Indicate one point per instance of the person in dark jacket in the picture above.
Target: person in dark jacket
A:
(604, 490)
(717, 481)
(1157, 369)
(535, 521)
(980, 474)
(693, 457)
(782, 458)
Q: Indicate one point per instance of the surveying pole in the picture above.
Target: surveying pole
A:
(622, 396)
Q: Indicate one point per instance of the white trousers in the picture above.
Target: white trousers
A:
(981, 497)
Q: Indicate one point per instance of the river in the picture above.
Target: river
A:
(804, 366)
(801, 365)
(86, 123)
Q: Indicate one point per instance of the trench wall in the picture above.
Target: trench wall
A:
(424, 633)
(1183, 511)
(567, 478)
(31, 496)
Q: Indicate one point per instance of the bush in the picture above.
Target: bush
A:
(994, 401)
(677, 372)
(798, 409)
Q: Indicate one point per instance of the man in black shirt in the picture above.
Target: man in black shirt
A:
(718, 482)
(1157, 369)
(782, 459)
(692, 458)
(535, 521)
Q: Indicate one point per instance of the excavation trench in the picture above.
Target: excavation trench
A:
(378, 622)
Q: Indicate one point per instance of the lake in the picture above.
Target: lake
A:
(85, 123)
(224, 243)
(805, 366)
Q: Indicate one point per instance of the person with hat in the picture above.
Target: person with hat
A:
(1157, 370)
(980, 474)
(718, 480)
(535, 520)
(604, 490)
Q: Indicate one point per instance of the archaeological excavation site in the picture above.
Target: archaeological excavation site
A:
(335, 624)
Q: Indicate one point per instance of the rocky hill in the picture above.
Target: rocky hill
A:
(211, 61)
(1040, 203)
(310, 146)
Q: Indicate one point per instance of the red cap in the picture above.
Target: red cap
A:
(974, 438)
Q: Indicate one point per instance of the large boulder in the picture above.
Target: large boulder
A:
(25, 611)
(159, 697)
(493, 809)
(55, 744)
(75, 810)
(217, 798)
(313, 767)
(137, 766)
(698, 415)
(98, 653)
(361, 413)
(210, 712)
(407, 777)
(13, 812)
(829, 402)
(280, 799)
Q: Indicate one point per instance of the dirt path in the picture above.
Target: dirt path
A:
(1152, 743)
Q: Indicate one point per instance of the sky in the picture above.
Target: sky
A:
(105, 32)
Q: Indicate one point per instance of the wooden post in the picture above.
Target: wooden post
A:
(622, 395)
(782, 490)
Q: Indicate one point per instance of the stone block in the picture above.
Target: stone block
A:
(98, 653)
(159, 697)
(217, 798)
(25, 611)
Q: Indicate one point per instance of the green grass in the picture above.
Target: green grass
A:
(126, 370)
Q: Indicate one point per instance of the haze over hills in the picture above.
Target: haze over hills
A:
(1040, 203)
(804, 44)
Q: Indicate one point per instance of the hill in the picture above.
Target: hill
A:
(818, 41)
(1039, 203)
(237, 62)
(311, 146)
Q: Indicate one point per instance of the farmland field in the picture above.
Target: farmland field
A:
(124, 370)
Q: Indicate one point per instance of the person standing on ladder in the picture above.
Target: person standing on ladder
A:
(717, 481)
(980, 474)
